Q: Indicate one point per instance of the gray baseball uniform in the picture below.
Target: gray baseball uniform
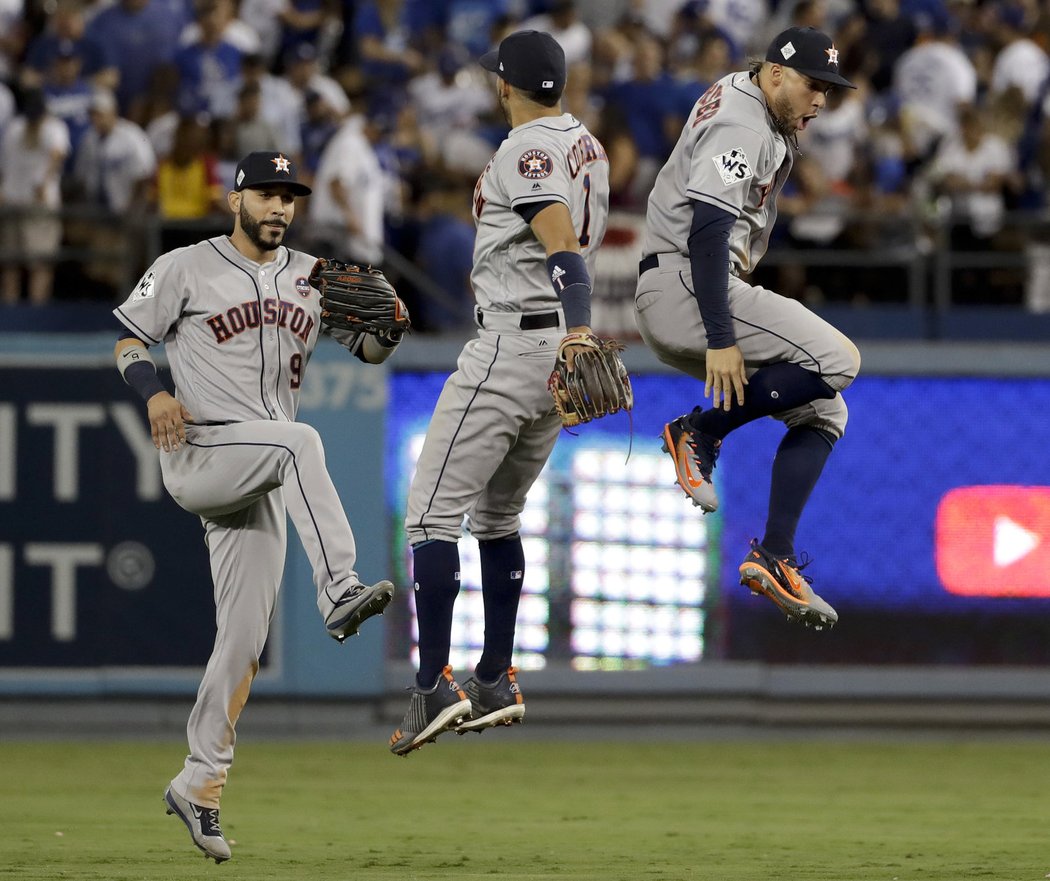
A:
(238, 335)
(730, 156)
(494, 424)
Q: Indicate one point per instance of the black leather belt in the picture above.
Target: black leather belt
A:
(529, 320)
(647, 263)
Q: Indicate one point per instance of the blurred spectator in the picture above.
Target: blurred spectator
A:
(252, 131)
(931, 80)
(450, 98)
(238, 32)
(13, 35)
(139, 35)
(301, 22)
(320, 124)
(68, 95)
(161, 109)
(391, 36)
(279, 103)
(1021, 63)
(972, 170)
(32, 150)
(835, 138)
(885, 33)
(742, 21)
(696, 72)
(188, 186)
(209, 68)
(562, 22)
(263, 17)
(615, 135)
(346, 208)
(113, 172)
(645, 101)
(64, 37)
(468, 24)
(304, 74)
(445, 252)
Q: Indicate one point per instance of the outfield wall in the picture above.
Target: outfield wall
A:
(104, 588)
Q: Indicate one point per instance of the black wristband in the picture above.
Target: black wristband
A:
(143, 378)
(572, 284)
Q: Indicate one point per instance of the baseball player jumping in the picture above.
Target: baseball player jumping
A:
(540, 208)
(759, 354)
(239, 321)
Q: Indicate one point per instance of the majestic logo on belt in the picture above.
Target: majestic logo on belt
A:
(282, 164)
(535, 164)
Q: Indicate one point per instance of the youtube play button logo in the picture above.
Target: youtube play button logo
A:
(988, 541)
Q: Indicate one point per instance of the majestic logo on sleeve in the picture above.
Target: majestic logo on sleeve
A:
(282, 164)
(145, 287)
(535, 164)
(733, 166)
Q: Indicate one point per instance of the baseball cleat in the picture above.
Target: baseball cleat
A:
(430, 713)
(782, 581)
(493, 703)
(358, 603)
(694, 454)
(203, 824)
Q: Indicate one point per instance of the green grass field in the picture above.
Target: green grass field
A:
(499, 808)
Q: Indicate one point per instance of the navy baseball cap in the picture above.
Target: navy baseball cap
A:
(529, 60)
(266, 168)
(810, 52)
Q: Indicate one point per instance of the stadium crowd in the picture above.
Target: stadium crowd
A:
(115, 114)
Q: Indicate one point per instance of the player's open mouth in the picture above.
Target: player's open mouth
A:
(805, 121)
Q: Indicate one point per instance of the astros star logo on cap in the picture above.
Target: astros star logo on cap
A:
(833, 55)
(284, 165)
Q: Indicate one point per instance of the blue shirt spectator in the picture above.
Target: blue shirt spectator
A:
(141, 35)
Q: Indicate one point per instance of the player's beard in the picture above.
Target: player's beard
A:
(264, 241)
(784, 118)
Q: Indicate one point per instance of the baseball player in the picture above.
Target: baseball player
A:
(239, 321)
(540, 208)
(759, 354)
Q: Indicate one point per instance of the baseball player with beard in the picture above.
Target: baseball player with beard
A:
(540, 208)
(239, 321)
(759, 354)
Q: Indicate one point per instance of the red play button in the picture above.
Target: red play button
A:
(989, 538)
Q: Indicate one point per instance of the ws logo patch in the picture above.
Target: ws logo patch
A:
(733, 166)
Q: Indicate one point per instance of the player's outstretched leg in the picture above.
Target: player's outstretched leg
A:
(430, 712)
(781, 580)
(694, 454)
(203, 824)
(355, 605)
(493, 703)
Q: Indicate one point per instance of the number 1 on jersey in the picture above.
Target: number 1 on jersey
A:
(585, 232)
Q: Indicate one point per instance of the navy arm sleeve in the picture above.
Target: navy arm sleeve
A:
(530, 209)
(709, 261)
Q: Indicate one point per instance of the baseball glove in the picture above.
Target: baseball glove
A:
(358, 299)
(595, 385)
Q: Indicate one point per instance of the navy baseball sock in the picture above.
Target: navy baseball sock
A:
(797, 467)
(502, 575)
(772, 389)
(436, 571)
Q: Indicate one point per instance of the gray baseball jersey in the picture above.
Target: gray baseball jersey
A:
(238, 335)
(548, 159)
(729, 155)
(494, 424)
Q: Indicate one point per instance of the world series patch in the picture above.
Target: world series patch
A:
(302, 287)
(733, 166)
(535, 165)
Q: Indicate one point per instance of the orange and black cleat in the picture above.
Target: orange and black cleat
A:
(694, 454)
(781, 580)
